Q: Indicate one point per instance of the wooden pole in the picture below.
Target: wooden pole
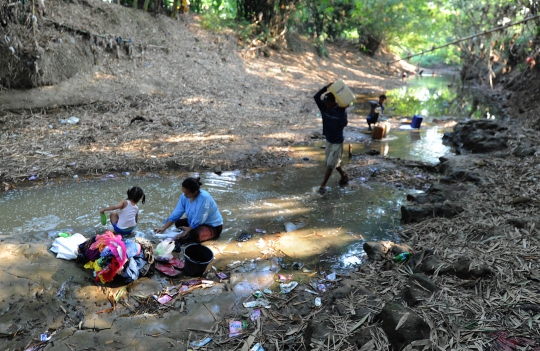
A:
(466, 38)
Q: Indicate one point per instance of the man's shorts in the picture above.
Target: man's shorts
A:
(333, 152)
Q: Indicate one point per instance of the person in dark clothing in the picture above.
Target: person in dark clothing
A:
(334, 119)
(377, 109)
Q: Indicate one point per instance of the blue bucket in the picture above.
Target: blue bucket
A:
(416, 121)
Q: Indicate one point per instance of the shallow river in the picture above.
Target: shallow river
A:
(335, 226)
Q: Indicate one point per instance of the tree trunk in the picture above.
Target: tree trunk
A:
(145, 6)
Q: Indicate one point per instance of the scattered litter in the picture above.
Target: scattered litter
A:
(331, 276)
(46, 336)
(75, 176)
(32, 177)
(297, 265)
(258, 294)
(267, 291)
(235, 328)
(285, 277)
(163, 251)
(257, 347)
(321, 287)
(257, 303)
(255, 314)
(287, 288)
(244, 237)
(311, 291)
(193, 282)
(125, 173)
(72, 120)
(257, 230)
(200, 343)
(318, 301)
(234, 264)
(261, 243)
(222, 275)
(64, 234)
(290, 226)
(163, 299)
(109, 176)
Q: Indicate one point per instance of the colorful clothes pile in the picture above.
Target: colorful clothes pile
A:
(110, 255)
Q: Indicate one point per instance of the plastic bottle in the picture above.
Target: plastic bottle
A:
(103, 219)
(402, 257)
(64, 234)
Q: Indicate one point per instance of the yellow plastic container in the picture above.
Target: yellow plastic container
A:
(344, 95)
(377, 133)
(386, 127)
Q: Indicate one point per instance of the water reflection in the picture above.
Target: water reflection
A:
(257, 203)
(438, 96)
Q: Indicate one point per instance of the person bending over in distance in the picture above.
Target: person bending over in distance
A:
(377, 109)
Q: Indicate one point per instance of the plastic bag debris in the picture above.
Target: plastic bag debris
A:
(163, 299)
(331, 277)
(72, 120)
(285, 277)
(243, 237)
(257, 294)
(267, 291)
(200, 343)
(46, 336)
(221, 275)
(255, 314)
(257, 230)
(257, 303)
(256, 347)
(167, 269)
(287, 288)
(235, 328)
(164, 250)
(318, 302)
(32, 177)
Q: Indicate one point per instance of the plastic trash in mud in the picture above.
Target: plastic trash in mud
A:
(125, 173)
(267, 291)
(46, 336)
(64, 289)
(235, 328)
(258, 294)
(311, 291)
(72, 120)
(318, 302)
(32, 177)
(287, 288)
(331, 277)
(261, 243)
(290, 226)
(200, 343)
(163, 251)
(163, 299)
(257, 230)
(257, 303)
(221, 275)
(255, 314)
(234, 264)
(402, 257)
(109, 176)
(285, 277)
(257, 347)
(297, 265)
(75, 176)
(243, 237)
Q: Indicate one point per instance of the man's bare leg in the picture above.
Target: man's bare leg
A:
(322, 189)
(344, 177)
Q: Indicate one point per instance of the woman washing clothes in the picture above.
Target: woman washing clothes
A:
(203, 221)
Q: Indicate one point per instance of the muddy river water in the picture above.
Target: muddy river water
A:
(333, 227)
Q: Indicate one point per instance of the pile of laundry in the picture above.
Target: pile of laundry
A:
(110, 256)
